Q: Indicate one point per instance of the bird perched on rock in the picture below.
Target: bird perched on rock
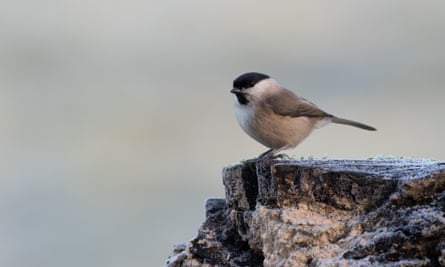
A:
(275, 116)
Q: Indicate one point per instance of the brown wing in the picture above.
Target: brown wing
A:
(286, 103)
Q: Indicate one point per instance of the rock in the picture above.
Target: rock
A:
(378, 212)
(217, 243)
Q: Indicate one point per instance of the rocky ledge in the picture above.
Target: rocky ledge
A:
(377, 212)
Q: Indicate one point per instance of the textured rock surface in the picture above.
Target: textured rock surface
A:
(380, 212)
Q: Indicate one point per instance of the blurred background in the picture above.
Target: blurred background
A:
(116, 117)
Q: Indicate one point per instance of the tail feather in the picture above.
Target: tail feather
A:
(353, 123)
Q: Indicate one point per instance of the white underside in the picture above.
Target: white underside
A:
(243, 115)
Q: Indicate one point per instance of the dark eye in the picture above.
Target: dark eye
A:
(251, 84)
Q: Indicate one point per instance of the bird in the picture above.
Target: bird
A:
(275, 116)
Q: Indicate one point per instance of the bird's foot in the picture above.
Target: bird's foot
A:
(267, 154)
(266, 159)
(282, 156)
(270, 154)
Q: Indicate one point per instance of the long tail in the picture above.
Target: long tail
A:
(353, 123)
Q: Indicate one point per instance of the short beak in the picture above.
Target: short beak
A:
(235, 91)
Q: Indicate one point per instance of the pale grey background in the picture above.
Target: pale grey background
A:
(116, 117)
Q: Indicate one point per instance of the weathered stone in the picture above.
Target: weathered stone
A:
(381, 212)
(217, 243)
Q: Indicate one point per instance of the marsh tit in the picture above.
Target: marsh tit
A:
(275, 116)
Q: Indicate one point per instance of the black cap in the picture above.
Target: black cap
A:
(249, 79)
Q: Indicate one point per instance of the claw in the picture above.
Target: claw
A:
(267, 154)
(282, 156)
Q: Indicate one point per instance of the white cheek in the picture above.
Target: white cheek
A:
(235, 99)
(243, 115)
(265, 87)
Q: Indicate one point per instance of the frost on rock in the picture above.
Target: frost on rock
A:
(385, 211)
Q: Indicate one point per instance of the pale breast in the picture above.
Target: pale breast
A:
(272, 130)
(244, 115)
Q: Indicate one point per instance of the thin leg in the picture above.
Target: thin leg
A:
(271, 154)
(267, 154)
(266, 159)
